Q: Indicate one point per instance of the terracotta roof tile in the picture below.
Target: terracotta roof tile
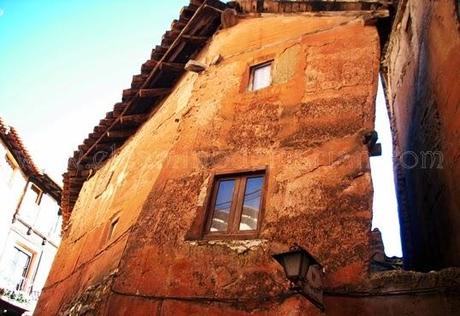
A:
(14, 143)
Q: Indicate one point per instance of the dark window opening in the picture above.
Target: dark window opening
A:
(236, 204)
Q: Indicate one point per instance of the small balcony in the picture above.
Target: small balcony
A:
(17, 295)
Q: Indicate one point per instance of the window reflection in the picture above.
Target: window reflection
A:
(223, 205)
(251, 204)
(236, 205)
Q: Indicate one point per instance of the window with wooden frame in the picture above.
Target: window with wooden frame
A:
(261, 76)
(38, 193)
(236, 204)
(18, 267)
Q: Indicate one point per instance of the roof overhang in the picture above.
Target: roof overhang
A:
(188, 35)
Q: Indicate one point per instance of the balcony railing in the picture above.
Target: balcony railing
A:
(20, 290)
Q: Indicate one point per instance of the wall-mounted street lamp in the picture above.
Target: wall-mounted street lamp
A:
(304, 273)
(370, 139)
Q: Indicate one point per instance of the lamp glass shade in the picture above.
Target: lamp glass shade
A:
(295, 264)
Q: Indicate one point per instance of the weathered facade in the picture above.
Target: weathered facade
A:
(30, 225)
(423, 95)
(139, 191)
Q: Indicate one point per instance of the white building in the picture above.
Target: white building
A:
(30, 225)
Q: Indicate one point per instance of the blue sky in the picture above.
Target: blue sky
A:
(64, 63)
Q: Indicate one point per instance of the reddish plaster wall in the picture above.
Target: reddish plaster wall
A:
(307, 129)
(422, 89)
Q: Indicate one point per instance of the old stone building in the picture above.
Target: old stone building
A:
(248, 131)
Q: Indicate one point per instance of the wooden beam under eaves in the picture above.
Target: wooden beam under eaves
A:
(172, 33)
(178, 25)
(139, 78)
(150, 64)
(188, 11)
(83, 147)
(120, 107)
(149, 93)
(88, 142)
(136, 118)
(119, 133)
(195, 39)
(172, 66)
(108, 147)
(128, 94)
(106, 122)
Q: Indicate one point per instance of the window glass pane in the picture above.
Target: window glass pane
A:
(16, 268)
(29, 210)
(261, 77)
(251, 204)
(223, 205)
(56, 229)
(43, 216)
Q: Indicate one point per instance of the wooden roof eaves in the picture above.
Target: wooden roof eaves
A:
(149, 79)
(289, 6)
(118, 120)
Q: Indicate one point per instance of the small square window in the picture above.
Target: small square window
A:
(112, 228)
(261, 76)
(235, 205)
